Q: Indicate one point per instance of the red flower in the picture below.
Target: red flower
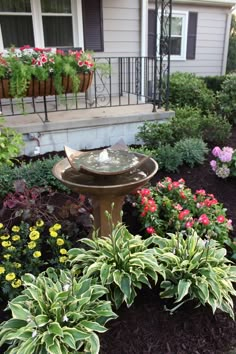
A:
(145, 191)
(201, 192)
(220, 218)
(182, 195)
(183, 213)
(203, 219)
(189, 224)
(181, 180)
(150, 230)
(175, 184)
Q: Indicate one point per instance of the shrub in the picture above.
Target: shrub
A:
(225, 163)
(168, 158)
(213, 82)
(10, 144)
(171, 207)
(154, 134)
(28, 248)
(37, 173)
(215, 129)
(227, 98)
(188, 89)
(196, 268)
(192, 150)
(121, 262)
(56, 313)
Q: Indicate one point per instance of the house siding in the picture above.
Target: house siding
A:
(211, 29)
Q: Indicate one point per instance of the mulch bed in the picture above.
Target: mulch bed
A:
(145, 328)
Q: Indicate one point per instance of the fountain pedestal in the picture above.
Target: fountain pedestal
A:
(106, 187)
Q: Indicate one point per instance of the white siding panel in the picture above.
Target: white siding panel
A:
(129, 36)
(125, 14)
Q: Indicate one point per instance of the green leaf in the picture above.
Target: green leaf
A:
(69, 340)
(55, 328)
(55, 347)
(117, 277)
(183, 287)
(41, 320)
(77, 334)
(125, 285)
(105, 272)
(14, 323)
(118, 297)
(94, 344)
(19, 312)
(93, 326)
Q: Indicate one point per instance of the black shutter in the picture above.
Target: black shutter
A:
(151, 33)
(192, 35)
(93, 25)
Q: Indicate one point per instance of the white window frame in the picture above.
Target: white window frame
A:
(184, 35)
(36, 13)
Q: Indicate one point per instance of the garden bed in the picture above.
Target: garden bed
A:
(146, 327)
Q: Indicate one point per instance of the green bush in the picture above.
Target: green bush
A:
(192, 150)
(154, 134)
(214, 82)
(196, 269)
(215, 129)
(122, 262)
(227, 98)
(186, 123)
(168, 157)
(37, 173)
(188, 89)
(56, 313)
(10, 144)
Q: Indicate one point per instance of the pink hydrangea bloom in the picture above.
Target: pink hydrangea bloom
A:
(216, 151)
(213, 165)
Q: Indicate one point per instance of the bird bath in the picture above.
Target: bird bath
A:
(106, 177)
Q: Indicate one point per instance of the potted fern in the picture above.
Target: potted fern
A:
(35, 72)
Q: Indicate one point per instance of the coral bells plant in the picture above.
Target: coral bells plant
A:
(23, 64)
(171, 206)
(26, 248)
(224, 164)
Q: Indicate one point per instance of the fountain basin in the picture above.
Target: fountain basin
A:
(105, 190)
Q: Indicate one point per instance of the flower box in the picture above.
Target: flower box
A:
(47, 88)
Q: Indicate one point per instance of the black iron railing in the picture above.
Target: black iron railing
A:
(130, 81)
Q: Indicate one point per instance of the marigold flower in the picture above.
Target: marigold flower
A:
(11, 248)
(15, 237)
(33, 228)
(63, 251)
(1, 225)
(60, 242)
(63, 259)
(57, 227)
(53, 233)
(39, 223)
(15, 228)
(2, 270)
(5, 237)
(32, 244)
(10, 276)
(34, 235)
(17, 265)
(16, 283)
(37, 254)
(7, 256)
(6, 243)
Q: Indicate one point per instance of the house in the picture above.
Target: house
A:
(121, 33)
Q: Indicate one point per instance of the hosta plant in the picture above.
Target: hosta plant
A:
(56, 313)
(122, 262)
(196, 269)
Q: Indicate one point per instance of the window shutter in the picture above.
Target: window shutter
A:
(93, 25)
(151, 33)
(192, 35)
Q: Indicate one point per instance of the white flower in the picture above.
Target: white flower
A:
(66, 287)
(65, 318)
(34, 334)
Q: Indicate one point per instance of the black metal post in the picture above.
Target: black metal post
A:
(155, 59)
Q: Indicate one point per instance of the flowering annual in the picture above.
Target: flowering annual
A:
(224, 164)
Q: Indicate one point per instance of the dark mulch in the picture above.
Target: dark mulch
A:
(146, 328)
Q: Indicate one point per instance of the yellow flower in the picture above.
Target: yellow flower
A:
(6, 243)
(33, 228)
(37, 254)
(57, 227)
(16, 283)
(34, 235)
(7, 256)
(15, 237)
(15, 228)
(39, 223)
(2, 270)
(63, 251)
(1, 225)
(53, 233)
(62, 259)
(17, 265)
(32, 245)
(10, 276)
(5, 237)
(60, 242)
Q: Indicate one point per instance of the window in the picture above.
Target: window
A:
(178, 38)
(54, 23)
(183, 35)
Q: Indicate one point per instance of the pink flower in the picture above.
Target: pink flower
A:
(216, 151)
(178, 207)
(181, 180)
(183, 213)
(213, 165)
(220, 218)
(150, 230)
(175, 184)
(203, 219)
(189, 224)
(225, 156)
(201, 192)
(145, 191)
